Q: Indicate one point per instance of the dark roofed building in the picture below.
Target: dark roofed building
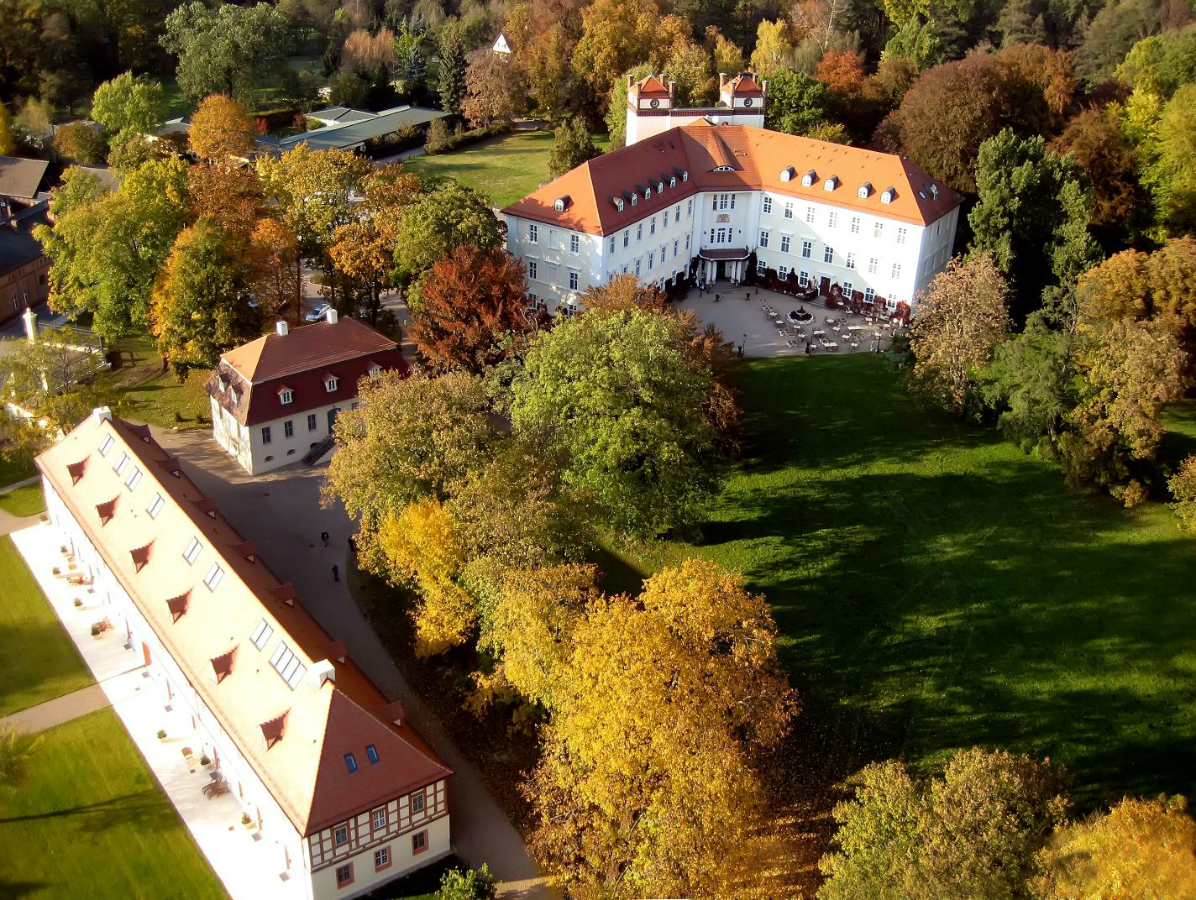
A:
(24, 267)
(21, 181)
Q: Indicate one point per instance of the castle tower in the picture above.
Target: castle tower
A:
(650, 109)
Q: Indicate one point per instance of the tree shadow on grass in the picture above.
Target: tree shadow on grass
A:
(145, 809)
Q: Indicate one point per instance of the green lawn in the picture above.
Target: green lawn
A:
(38, 662)
(92, 822)
(504, 169)
(24, 501)
(936, 588)
(12, 471)
(143, 392)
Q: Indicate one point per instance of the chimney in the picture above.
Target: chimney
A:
(322, 672)
(331, 316)
(630, 81)
(30, 318)
(722, 80)
(101, 413)
(672, 91)
(281, 328)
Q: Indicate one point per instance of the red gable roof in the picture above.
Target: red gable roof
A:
(755, 158)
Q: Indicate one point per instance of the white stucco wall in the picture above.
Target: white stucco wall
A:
(246, 444)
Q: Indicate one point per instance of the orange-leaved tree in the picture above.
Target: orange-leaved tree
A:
(221, 128)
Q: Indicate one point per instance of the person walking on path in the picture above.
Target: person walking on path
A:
(336, 573)
(324, 537)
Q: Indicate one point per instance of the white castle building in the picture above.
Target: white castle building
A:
(704, 193)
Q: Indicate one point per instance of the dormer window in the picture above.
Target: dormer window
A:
(887, 195)
(374, 371)
(809, 178)
(285, 396)
(647, 193)
(618, 203)
(831, 183)
(561, 204)
(865, 191)
(330, 383)
(724, 169)
(685, 175)
(635, 198)
(659, 186)
(787, 173)
(672, 181)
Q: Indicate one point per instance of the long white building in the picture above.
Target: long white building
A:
(330, 774)
(709, 200)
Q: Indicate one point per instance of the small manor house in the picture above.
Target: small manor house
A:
(706, 193)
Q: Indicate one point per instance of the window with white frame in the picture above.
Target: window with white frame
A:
(785, 243)
(803, 278)
(652, 225)
(212, 579)
(574, 243)
(105, 445)
(419, 842)
(266, 436)
(767, 205)
(782, 272)
(532, 269)
(878, 229)
(417, 802)
(869, 294)
(637, 268)
(192, 552)
(285, 397)
(689, 208)
(378, 819)
(687, 242)
(850, 259)
(381, 858)
(288, 428)
(832, 220)
(873, 262)
(676, 248)
(788, 210)
(533, 233)
(287, 665)
(855, 224)
(340, 834)
(809, 214)
(612, 245)
(344, 875)
(901, 233)
(261, 634)
(676, 214)
(626, 236)
(123, 461)
(133, 477)
(155, 506)
(828, 254)
(651, 260)
(572, 280)
(896, 270)
(639, 231)
(807, 248)
(763, 238)
(847, 289)
(761, 267)
(330, 383)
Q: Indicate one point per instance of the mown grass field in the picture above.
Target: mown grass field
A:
(38, 662)
(936, 588)
(24, 501)
(91, 821)
(504, 169)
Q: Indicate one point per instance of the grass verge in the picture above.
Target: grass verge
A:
(38, 662)
(92, 822)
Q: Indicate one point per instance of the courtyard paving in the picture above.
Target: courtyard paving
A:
(739, 314)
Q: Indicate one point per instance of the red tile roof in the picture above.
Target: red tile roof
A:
(755, 156)
(255, 375)
(303, 768)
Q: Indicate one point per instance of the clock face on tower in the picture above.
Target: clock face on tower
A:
(747, 101)
(654, 104)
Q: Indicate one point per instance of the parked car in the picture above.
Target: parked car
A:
(316, 314)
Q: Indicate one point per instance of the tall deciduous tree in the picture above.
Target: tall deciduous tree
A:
(616, 105)
(1096, 141)
(1172, 169)
(571, 146)
(958, 321)
(106, 251)
(471, 306)
(619, 395)
(973, 832)
(129, 106)
(1140, 848)
(655, 715)
(616, 35)
(494, 90)
(435, 223)
(797, 104)
(228, 49)
(199, 306)
(774, 49)
(222, 130)
(1130, 370)
(275, 281)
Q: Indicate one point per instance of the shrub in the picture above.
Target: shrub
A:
(81, 143)
(78, 603)
(1183, 489)
(468, 884)
(161, 734)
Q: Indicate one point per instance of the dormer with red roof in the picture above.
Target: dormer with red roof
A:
(275, 399)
